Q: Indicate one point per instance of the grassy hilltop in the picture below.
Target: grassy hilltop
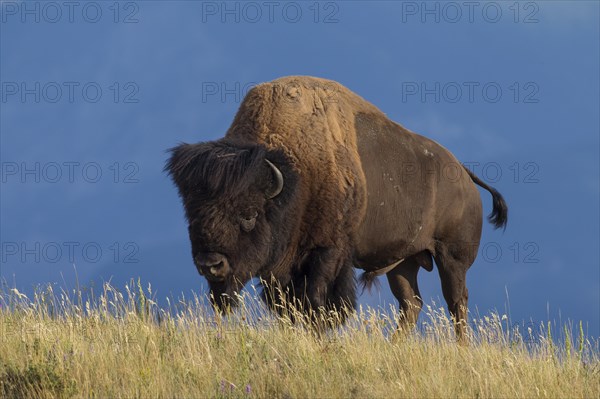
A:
(121, 344)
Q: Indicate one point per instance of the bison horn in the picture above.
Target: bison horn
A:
(273, 192)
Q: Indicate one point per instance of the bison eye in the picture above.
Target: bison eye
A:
(248, 221)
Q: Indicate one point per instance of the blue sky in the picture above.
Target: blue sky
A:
(93, 93)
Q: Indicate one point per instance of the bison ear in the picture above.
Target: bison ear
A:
(276, 185)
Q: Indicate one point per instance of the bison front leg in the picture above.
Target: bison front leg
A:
(327, 284)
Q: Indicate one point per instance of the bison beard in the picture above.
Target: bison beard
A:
(311, 180)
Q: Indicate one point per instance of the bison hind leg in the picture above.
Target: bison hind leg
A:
(453, 272)
(403, 284)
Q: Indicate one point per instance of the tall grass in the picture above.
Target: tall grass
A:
(122, 344)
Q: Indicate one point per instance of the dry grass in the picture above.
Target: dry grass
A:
(124, 345)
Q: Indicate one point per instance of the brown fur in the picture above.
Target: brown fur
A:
(312, 121)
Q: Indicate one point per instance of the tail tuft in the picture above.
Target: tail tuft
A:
(499, 216)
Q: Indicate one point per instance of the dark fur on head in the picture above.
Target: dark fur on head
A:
(219, 182)
(214, 168)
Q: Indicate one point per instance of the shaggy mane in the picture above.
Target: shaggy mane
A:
(216, 167)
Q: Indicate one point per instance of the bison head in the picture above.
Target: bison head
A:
(236, 200)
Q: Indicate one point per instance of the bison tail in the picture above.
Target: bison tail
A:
(499, 215)
(369, 279)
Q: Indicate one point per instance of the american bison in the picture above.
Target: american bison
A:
(311, 181)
